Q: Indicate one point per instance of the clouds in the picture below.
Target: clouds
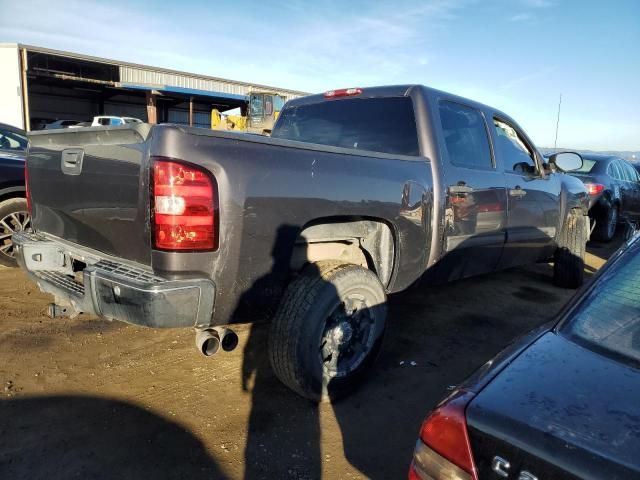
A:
(538, 3)
(521, 17)
(514, 55)
(532, 8)
(297, 44)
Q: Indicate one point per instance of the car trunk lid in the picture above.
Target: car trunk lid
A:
(558, 411)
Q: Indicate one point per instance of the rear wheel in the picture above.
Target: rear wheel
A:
(606, 225)
(14, 217)
(328, 329)
(568, 267)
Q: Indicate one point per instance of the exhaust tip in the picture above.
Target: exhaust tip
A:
(229, 339)
(208, 342)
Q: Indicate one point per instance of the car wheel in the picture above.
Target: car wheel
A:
(606, 225)
(14, 217)
(568, 267)
(328, 329)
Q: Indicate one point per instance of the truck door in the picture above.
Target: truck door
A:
(533, 198)
(476, 195)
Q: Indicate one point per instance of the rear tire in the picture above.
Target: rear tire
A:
(568, 267)
(328, 329)
(606, 225)
(14, 217)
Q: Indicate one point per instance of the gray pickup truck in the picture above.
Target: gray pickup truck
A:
(357, 194)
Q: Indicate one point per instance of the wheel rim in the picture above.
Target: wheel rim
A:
(348, 336)
(613, 221)
(10, 224)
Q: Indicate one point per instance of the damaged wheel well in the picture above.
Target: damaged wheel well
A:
(368, 242)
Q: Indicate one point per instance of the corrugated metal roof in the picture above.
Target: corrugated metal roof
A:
(141, 76)
(136, 73)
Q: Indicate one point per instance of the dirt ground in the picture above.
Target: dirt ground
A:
(86, 398)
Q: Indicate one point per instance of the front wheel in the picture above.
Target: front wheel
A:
(568, 267)
(328, 329)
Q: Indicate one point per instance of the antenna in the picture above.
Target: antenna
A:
(555, 143)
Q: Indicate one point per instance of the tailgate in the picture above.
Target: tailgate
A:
(90, 186)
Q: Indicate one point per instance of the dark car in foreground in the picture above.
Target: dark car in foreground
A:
(563, 402)
(614, 188)
(14, 215)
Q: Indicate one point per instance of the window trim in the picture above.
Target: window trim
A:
(539, 170)
(492, 157)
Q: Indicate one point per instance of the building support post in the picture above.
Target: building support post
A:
(191, 111)
(25, 90)
(152, 109)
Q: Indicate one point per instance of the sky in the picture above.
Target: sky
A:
(516, 55)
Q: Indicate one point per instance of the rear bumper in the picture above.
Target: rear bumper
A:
(111, 289)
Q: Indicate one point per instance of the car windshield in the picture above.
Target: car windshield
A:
(12, 141)
(608, 319)
(587, 166)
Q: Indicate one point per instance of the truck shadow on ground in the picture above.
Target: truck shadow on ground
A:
(87, 437)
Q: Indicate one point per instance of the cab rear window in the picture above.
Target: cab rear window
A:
(384, 125)
(608, 319)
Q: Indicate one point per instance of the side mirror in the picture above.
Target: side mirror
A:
(566, 161)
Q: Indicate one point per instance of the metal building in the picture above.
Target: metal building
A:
(39, 85)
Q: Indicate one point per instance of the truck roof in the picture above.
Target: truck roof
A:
(388, 91)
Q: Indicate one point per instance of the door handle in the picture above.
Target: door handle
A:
(517, 192)
(461, 187)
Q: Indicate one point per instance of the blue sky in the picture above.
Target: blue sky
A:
(517, 55)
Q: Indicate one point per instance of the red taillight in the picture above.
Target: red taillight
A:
(185, 207)
(594, 188)
(445, 432)
(26, 187)
(342, 92)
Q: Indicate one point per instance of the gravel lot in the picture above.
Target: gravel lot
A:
(86, 398)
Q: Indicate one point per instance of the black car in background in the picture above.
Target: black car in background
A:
(562, 403)
(14, 214)
(614, 188)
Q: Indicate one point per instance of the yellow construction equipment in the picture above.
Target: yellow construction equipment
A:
(259, 114)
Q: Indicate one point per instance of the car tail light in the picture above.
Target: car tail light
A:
(26, 187)
(443, 450)
(594, 188)
(185, 207)
(342, 92)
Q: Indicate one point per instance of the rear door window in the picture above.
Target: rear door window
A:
(385, 125)
(465, 136)
(615, 171)
(629, 172)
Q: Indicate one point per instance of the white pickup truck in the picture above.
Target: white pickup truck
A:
(106, 120)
